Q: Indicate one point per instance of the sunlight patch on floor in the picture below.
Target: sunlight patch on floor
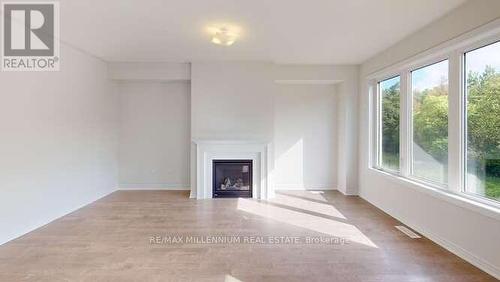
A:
(314, 223)
(230, 278)
(316, 196)
(312, 206)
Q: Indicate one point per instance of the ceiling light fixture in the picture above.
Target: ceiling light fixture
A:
(225, 37)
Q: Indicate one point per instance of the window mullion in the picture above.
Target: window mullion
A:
(375, 126)
(405, 122)
(455, 124)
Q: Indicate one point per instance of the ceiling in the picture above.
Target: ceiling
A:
(284, 31)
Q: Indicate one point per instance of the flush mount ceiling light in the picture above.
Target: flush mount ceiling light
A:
(224, 36)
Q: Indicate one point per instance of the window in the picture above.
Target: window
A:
(482, 78)
(389, 124)
(437, 119)
(429, 87)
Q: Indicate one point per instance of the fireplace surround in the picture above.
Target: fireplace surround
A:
(205, 152)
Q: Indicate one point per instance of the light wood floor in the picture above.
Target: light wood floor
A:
(109, 240)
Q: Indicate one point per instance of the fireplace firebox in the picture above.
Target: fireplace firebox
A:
(232, 179)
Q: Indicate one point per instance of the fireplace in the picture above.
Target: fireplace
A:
(205, 152)
(232, 178)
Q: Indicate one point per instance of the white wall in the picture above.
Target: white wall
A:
(466, 232)
(235, 100)
(58, 142)
(305, 140)
(137, 71)
(232, 100)
(346, 82)
(470, 15)
(154, 135)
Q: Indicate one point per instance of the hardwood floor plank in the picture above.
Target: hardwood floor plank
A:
(110, 240)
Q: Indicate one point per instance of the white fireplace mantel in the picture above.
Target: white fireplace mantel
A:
(205, 151)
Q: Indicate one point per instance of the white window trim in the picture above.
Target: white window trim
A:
(463, 115)
(453, 51)
(409, 115)
(378, 126)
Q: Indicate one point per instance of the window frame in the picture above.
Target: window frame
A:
(463, 120)
(409, 94)
(454, 51)
(378, 126)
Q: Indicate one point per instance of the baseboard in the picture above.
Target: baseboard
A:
(450, 246)
(347, 194)
(154, 186)
(461, 252)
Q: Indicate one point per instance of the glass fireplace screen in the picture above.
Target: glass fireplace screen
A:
(232, 178)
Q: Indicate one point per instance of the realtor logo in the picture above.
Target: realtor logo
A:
(30, 36)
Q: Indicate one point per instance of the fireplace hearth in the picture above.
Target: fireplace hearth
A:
(232, 178)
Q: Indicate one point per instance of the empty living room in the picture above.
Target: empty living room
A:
(241, 141)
